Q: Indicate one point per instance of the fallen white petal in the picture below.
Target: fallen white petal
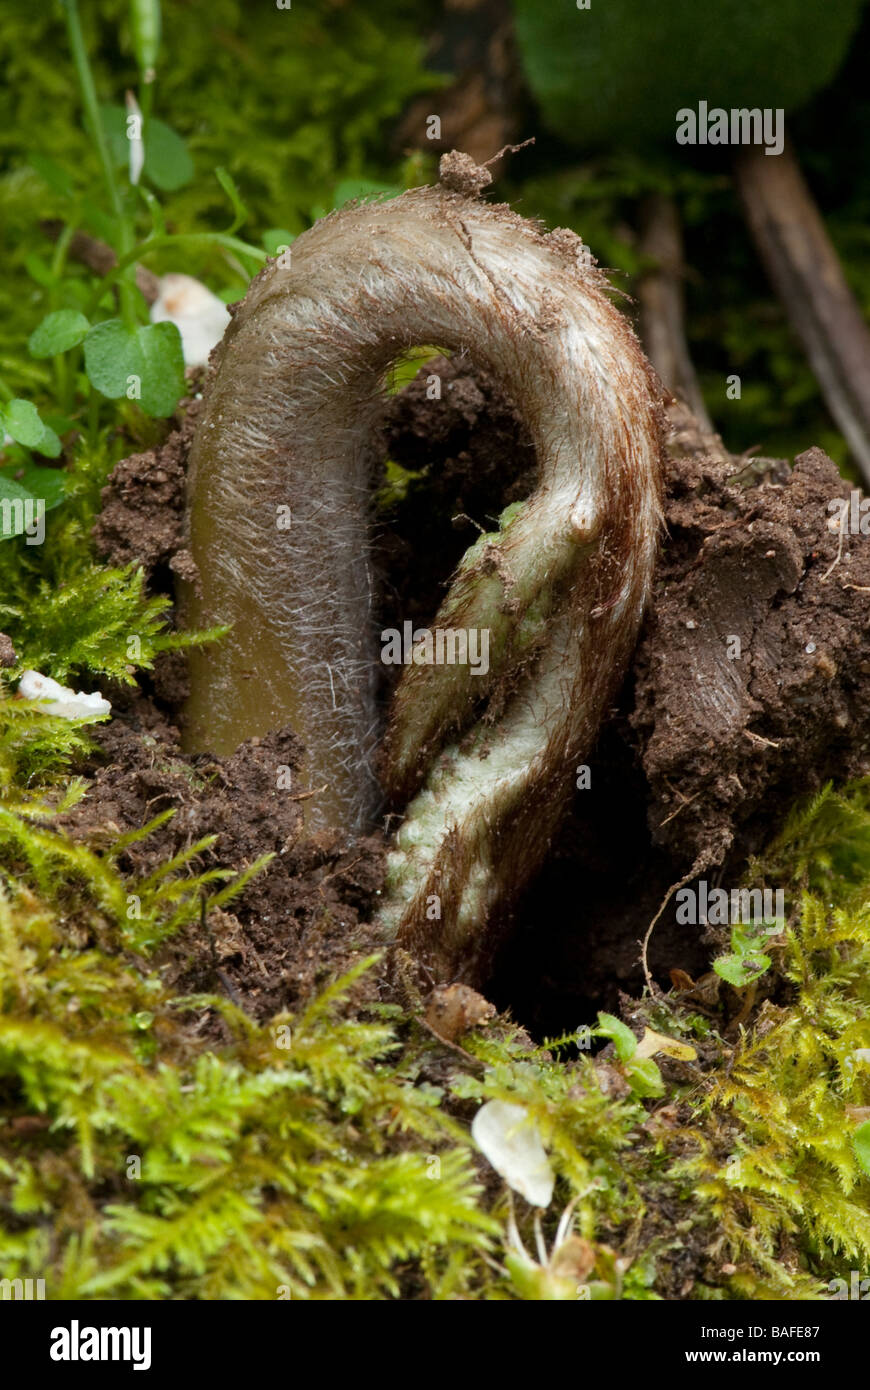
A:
(512, 1144)
(200, 317)
(59, 700)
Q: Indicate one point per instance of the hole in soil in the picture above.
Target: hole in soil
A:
(453, 464)
(578, 926)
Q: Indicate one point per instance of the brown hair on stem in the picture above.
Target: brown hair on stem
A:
(290, 420)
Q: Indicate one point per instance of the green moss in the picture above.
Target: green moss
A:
(311, 1156)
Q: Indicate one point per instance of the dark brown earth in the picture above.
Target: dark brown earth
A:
(300, 922)
(142, 520)
(708, 746)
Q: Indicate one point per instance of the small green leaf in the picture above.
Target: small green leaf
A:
(57, 333)
(620, 1034)
(11, 488)
(114, 122)
(644, 1077)
(167, 162)
(741, 970)
(861, 1146)
(112, 356)
(49, 444)
(22, 421)
(163, 378)
(49, 484)
(146, 364)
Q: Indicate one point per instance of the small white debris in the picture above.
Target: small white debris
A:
(200, 317)
(59, 700)
(508, 1139)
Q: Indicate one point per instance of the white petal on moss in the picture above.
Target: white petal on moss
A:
(200, 317)
(509, 1140)
(59, 700)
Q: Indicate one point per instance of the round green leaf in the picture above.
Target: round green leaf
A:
(49, 444)
(11, 488)
(167, 162)
(57, 333)
(145, 364)
(741, 970)
(163, 374)
(114, 121)
(645, 1078)
(49, 484)
(22, 421)
(112, 357)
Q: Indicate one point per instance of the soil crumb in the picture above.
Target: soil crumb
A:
(751, 681)
(142, 517)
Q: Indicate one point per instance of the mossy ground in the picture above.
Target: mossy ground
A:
(327, 1154)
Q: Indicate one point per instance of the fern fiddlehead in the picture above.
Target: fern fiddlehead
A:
(483, 760)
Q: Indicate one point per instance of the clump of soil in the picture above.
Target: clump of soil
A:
(747, 692)
(142, 519)
(300, 922)
(751, 681)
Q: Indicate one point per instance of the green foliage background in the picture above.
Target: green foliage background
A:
(609, 81)
(616, 74)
